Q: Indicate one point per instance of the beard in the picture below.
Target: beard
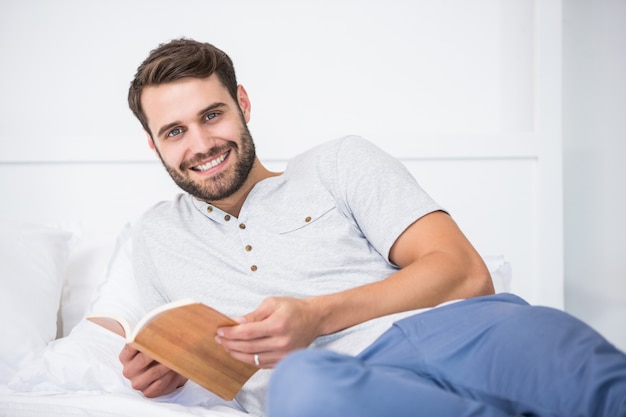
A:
(222, 185)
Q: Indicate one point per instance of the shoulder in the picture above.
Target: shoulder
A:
(179, 202)
(165, 212)
(335, 146)
(344, 150)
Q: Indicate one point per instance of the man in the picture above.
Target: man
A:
(327, 254)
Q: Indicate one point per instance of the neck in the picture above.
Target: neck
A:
(233, 204)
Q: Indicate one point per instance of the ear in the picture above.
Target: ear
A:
(150, 141)
(244, 102)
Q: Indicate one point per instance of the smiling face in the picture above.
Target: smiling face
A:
(201, 136)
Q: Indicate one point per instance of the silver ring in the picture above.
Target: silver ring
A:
(256, 359)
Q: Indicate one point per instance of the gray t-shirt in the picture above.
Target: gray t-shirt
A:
(325, 225)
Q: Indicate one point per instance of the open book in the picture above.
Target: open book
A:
(181, 336)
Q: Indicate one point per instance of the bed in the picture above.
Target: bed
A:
(53, 362)
(476, 118)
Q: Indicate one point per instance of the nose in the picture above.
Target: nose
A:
(198, 140)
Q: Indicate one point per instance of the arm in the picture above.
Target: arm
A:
(145, 374)
(437, 263)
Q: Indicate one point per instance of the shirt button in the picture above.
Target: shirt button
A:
(242, 226)
(248, 248)
(308, 219)
(253, 268)
(209, 209)
(227, 217)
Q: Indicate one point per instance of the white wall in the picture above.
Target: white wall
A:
(404, 74)
(467, 94)
(457, 89)
(594, 136)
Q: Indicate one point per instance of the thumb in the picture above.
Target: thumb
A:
(263, 311)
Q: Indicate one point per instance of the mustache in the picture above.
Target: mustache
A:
(212, 153)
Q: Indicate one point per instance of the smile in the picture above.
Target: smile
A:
(211, 164)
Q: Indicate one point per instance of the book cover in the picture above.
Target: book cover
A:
(181, 336)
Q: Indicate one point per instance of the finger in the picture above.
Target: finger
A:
(265, 309)
(165, 384)
(137, 365)
(151, 375)
(264, 344)
(264, 360)
(127, 353)
(245, 332)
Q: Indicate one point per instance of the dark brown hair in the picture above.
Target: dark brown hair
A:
(177, 59)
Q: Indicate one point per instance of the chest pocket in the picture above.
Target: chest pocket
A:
(316, 217)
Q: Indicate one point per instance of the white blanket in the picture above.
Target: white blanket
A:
(99, 405)
(80, 374)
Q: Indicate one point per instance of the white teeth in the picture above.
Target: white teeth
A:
(211, 164)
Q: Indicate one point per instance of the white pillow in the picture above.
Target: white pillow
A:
(85, 272)
(32, 261)
(501, 274)
(87, 359)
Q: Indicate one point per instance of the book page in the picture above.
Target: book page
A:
(152, 314)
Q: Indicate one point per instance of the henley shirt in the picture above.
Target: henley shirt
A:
(325, 225)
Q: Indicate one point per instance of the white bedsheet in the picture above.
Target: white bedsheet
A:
(101, 405)
(80, 375)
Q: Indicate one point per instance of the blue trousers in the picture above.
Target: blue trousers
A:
(486, 356)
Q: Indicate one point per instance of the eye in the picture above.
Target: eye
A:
(174, 132)
(210, 116)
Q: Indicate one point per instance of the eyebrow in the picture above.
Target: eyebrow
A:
(168, 126)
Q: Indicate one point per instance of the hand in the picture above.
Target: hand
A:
(147, 375)
(277, 327)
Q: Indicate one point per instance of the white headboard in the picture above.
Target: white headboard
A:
(466, 94)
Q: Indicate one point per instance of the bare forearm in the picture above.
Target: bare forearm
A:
(435, 278)
(436, 263)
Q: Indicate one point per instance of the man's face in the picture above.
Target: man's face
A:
(201, 136)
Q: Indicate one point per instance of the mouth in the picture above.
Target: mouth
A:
(211, 164)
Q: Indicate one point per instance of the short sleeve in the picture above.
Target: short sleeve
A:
(146, 274)
(378, 191)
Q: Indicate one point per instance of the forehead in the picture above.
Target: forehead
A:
(182, 99)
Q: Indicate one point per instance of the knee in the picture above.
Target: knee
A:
(305, 381)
